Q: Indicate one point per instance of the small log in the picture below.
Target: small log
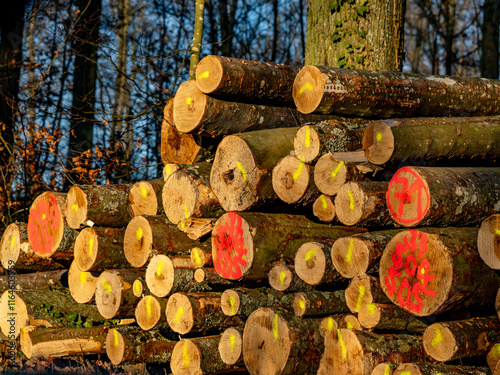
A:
(36, 280)
(292, 183)
(432, 270)
(197, 227)
(145, 197)
(149, 312)
(350, 321)
(488, 241)
(358, 352)
(231, 346)
(114, 295)
(334, 135)
(197, 312)
(363, 203)
(277, 236)
(331, 174)
(384, 369)
(324, 208)
(187, 194)
(389, 317)
(201, 258)
(170, 168)
(313, 264)
(183, 262)
(493, 357)
(100, 205)
(82, 284)
(13, 314)
(136, 345)
(392, 141)
(446, 341)
(98, 249)
(360, 253)
(315, 303)
(146, 236)
(241, 173)
(364, 290)
(138, 288)
(176, 147)
(427, 368)
(282, 277)
(278, 342)
(427, 196)
(246, 80)
(208, 276)
(244, 301)
(322, 89)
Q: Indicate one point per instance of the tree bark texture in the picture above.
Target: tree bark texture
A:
(389, 317)
(426, 368)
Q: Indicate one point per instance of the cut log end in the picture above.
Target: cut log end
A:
(180, 196)
(179, 313)
(200, 258)
(344, 354)
(351, 322)
(231, 346)
(306, 144)
(108, 294)
(328, 325)
(280, 277)
(138, 288)
(148, 312)
(358, 293)
(137, 243)
(189, 107)
(209, 74)
(115, 346)
(369, 315)
(13, 314)
(324, 208)
(383, 369)
(290, 179)
(10, 246)
(310, 263)
(86, 248)
(488, 241)
(76, 207)
(142, 199)
(300, 304)
(230, 301)
(349, 203)
(169, 169)
(186, 358)
(439, 342)
(493, 357)
(378, 143)
(82, 284)
(350, 256)
(330, 174)
(160, 275)
(308, 89)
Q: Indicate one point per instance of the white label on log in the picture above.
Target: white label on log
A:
(335, 87)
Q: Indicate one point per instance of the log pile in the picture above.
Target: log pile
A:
(337, 229)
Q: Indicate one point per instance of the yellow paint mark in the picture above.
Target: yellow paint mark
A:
(302, 304)
(282, 278)
(349, 325)
(497, 232)
(337, 169)
(75, 207)
(12, 241)
(242, 170)
(83, 277)
(330, 324)
(351, 200)
(324, 203)
(159, 268)
(116, 338)
(169, 170)
(307, 86)
(106, 286)
(185, 354)
(148, 306)
(186, 211)
(144, 192)
(91, 245)
(405, 373)
(231, 304)
(342, 345)
(361, 294)
(232, 341)
(378, 136)
(23, 331)
(197, 258)
(275, 327)
(189, 101)
(422, 271)
(297, 173)
(310, 254)
(496, 351)
(138, 234)
(387, 370)
(179, 314)
(137, 287)
(350, 249)
(438, 338)
(203, 75)
(371, 308)
(308, 136)
(44, 216)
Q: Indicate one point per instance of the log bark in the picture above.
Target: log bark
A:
(360, 253)
(364, 290)
(241, 175)
(392, 141)
(98, 249)
(146, 236)
(446, 341)
(187, 194)
(313, 264)
(231, 346)
(389, 317)
(335, 135)
(324, 208)
(208, 276)
(316, 303)
(149, 312)
(244, 301)
(246, 80)
(145, 197)
(488, 241)
(197, 312)
(426, 368)
(100, 205)
(432, 270)
(35, 280)
(427, 196)
(236, 236)
(82, 284)
(363, 203)
(278, 342)
(386, 94)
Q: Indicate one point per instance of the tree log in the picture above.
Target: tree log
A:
(246, 80)
(313, 264)
(390, 141)
(149, 312)
(493, 357)
(360, 253)
(236, 236)
(426, 368)
(428, 196)
(201, 258)
(363, 290)
(349, 321)
(322, 89)
(197, 312)
(13, 314)
(282, 277)
(429, 271)
(100, 205)
(244, 301)
(384, 369)
(488, 241)
(98, 249)
(363, 203)
(324, 208)
(38, 280)
(231, 346)
(241, 175)
(145, 197)
(278, 342)
(315, 303)
(446, 341)
(389, 317)
(82, 284)
(208, 276)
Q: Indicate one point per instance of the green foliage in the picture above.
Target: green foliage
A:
(334, 6)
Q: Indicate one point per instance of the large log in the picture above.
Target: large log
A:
(429, 271)
(392, 141)
(447, 341)
(145, 197)
(245, 244)
(427, 368)
(313, 264)
(488, 241)
(427, 196)
(322, 89)
(278, 342)
(389, 317)
(246, 80)
(241, 173)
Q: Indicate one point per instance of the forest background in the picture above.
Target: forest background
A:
(83, 83)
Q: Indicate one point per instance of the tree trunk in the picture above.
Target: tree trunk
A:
(427, 196)
(489, 43)
(324, 208)
(364, 290)
(428, 271)
(389, 317)
(488, 241)
(386, 94)
(237, 236)
(197, 38)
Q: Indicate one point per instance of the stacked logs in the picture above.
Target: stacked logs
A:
(330, 232)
